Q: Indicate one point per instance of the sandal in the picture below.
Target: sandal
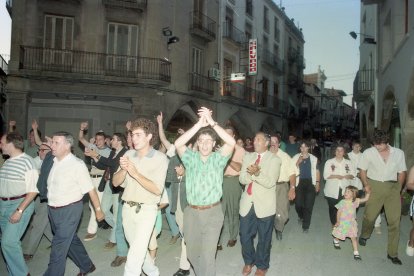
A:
(336, 244)
(357, 257)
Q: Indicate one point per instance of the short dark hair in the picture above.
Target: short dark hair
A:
(380, 136)
(16, 139)
(121, 137)
(38, 132)
(101, 133)
(207, 131)
(277, 135)
(68, 137)
(148, 127)
(306, 143)
(231, 128)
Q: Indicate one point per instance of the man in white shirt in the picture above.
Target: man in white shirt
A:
(67, 183)
(285, 185)
(383, 172)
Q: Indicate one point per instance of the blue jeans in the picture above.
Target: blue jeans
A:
(250, 225)
(121, 243)
(65, 222)
(11, 235)
(169, 216)
(110, 200)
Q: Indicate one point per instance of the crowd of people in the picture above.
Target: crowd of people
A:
(214, 189)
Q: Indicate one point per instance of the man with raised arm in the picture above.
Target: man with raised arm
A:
(203, 217)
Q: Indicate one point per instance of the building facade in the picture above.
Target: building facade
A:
(108, 61)
(387, 100)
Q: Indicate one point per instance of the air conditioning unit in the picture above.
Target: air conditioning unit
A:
(214, 73)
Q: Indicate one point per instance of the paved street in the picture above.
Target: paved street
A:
(297, 254)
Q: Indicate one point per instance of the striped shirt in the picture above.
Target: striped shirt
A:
(204, 180)
(18, 176)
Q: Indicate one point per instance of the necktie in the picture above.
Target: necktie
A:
(249, 188)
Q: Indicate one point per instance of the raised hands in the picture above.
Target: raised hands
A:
(205, 116)
(84, 126)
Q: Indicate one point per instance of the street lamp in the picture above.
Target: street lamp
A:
(368, 38)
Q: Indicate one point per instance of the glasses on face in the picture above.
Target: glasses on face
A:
(205, 141)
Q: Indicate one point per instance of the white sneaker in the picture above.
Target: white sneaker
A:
(409, 250)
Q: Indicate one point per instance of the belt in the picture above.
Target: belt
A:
(13, 197)
(57, 207)
(390, 181)
(43, 200)
(204, 207)
(231, 176)
(132, 204)
(96, 175)
(280, 183)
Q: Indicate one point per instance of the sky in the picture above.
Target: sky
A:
(325, 25)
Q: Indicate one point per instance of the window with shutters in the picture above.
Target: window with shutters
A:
(58, 40)
(122, 47)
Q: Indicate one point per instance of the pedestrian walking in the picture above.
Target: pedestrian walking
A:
(346, 225)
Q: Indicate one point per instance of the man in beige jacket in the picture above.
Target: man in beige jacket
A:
(259, 173)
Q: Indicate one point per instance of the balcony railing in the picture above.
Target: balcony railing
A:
(202, 25)
(364, 84)
(241, 92)
(88, 63)
(127, 4)
(272, 60)
(4, 67)
(234, 34)
(292, 54)
(201, 83)
(253, 97)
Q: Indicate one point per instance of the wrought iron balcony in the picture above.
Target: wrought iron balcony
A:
(364, 85)
(272, 60)
(86, 64)
(242, 93)
(292, 55)
(202, 26)
(140, 5)
(201, 83)
(233, 34)
(4, 67)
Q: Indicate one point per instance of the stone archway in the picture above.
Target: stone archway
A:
(184, 118)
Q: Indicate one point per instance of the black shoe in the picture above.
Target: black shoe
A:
(305, 230)
(362, 241)
(182, 272)
(357, 257)
(394, 260)
(279, 235)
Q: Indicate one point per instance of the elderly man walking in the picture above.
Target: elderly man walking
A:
(67, 183)
(259, 173)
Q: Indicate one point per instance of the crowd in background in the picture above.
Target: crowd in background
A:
(210, 185)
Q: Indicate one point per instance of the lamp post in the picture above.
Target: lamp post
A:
(368, 38)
